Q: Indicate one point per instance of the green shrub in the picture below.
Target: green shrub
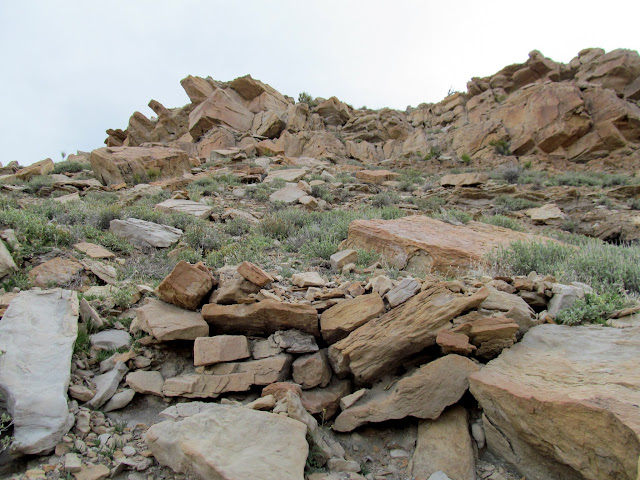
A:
(453, 215)
(70, 166)
(322, 191)
(17, 279)
(385, 199)
(594, 179)
(35, 232)
(502, 221)
(507, 203)
(466, 159)
(304, 97)
(366, 258)
(237, 227)
(592, 309)
(434, 153)
(430, 203)
(634, 204)
(501, 147)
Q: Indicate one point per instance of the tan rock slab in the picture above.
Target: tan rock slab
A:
(288, 175)
(312, 370)
(307, 279)
(376, 176)
(341, 319)
(221, 348)
(540, 395)
(146, 382)
(55, 272)
(464, 180)
(187, 285)
(382, 344)
(444, 445)
(219, 109)
(424, 393)
(342, 258)
(93, 250)
(254, 274)
(426, 243)
(261, 318)
(93, 472)
(189, 207)
(167, 322)
(143, 233)
(220, 443)
(324, 402)
(451, 342)
(288, 194)
(546, 213)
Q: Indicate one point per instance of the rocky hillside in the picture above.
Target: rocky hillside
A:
(253, 287)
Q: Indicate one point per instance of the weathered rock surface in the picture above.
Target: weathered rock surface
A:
(186, 286)
(55, 272)
(444, 445)
(540, 395)
(110, 339)
(312, 370)
(146, 382)
(112, 165)
(221, 348)
(196, 209)
(426, 243)
(379, 346)
(341, 319)
(463, 180)
(254, 274)
(261, 318)
(106, 384)
(7, 264)
(424, 393)
(167, 322)
(143, 233)
(219, 109)
(221, 443)
(37, 333)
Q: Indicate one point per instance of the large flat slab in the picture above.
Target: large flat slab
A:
(565, 402)
(190, 207)
(426, 243)
(143, 233)
(37, 334)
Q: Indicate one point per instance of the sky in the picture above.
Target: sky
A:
(71, 69)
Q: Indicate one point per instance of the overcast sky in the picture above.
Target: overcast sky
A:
(71, 69)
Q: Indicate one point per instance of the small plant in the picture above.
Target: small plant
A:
(321, 191)
(453, 216)
(507, 203)
(305, 97)
(634, 204)
(593, 308)
(431, 203)
(153, 174)
(502, 221)
(466, 159)
(434, 153)
(366, 258)
(385, 199)
(70, 166)
(83, 342)
(527, 165)
(501, 147)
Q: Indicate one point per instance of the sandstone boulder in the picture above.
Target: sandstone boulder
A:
(219, 109)
(424, 393)
(186, 286)
(254, 274)
(221, 443)
(196, 209)
(261, 318)
(312, 370)
(167, 322)
(7, 264)
(341, 319)
(93, 250)
(540, 395)
(382, 344)
(37, 334)
(143, 233)
(146, 382)
(113, 165)
(464, 180)
(55, 272)
(376, 176)
(221, 348)
(426, 243)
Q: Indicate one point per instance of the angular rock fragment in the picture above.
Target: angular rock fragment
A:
(167, 322)
(187, 285)
(196, 209)
(143, 233)
(221, 348)
(341, 319)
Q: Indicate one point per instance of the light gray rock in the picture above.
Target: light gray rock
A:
(7, 265)
(37, 333)
(343, 257)
(220, 443)
(119, 400)
(110, 339)
(143, 233)
(180, 411)
(196, 209)
(288, 194)
(513, 306)
(168, 322)
(439, 476)
(107, 384)
(146, 382)
(402, 292)
(89, 314)
(294, 341)
(288, 174)
(564, 296)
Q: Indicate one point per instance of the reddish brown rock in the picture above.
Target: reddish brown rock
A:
(55, 272)
(167, 322)
(312, 370)
(451, 342)
(187, 285)
(382, 344)
(324, 402)
(254, 274)
(279, 389)
(219, 110)
(341, 319)
(261, 318)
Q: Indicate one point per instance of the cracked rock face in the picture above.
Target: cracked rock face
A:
(37, 334)
(564, 402)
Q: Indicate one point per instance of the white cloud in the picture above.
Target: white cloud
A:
(72, 69)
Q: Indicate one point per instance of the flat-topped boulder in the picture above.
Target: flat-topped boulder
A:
(220, 443)
(376, 176)
(341, 319)
(93, 250)
(287, 174)
(167, 322)
(189, 207)
(428, 244)
(464, 179)
(37, 333)
(565, 402)
(113, 165)
(261, 318)
(143, 233)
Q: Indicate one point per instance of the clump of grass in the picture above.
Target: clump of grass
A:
(502, 221)
(507, 203)
(434, 153)
(593, 179)
(35, 232)
(321, 191)
(431, 203)
(453, 215)
(304, 97)
(70, 166)
(606, 267)
(466, 159)
(593, 308)
(634, 204)
(251, 248)
(237, 227)
(17, 279)
(502, 147)
(366, 258)
(385, 199)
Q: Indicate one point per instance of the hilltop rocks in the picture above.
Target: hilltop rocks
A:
(112, 165)
(187, 285)
(37, 334)
(221, 443)
(540, 395)
(425, 243)
(424, 393)
(166, 322)
(261, 318)
(143, 233)
(219, 110)
(382, 344)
